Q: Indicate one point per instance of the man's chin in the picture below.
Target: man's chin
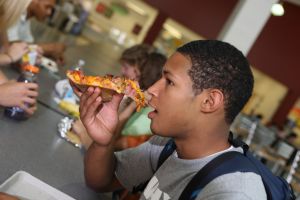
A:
(153, 129)
(157, 132)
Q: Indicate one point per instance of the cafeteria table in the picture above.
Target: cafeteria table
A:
(34, 145)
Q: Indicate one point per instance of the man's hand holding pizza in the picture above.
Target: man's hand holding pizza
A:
(100, 119)
(99, 102)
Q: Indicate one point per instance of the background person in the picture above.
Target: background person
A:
(15, 93)
(21, 31)
(10, 11)
(134, 127)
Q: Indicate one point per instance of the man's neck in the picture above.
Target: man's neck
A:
(202, 144)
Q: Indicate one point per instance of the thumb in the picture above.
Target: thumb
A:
(116, 100)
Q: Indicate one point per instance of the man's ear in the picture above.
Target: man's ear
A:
(212, 100)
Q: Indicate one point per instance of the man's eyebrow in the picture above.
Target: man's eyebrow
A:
(166, 72)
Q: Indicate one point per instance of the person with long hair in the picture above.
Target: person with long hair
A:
(10, 11)
(15, 93)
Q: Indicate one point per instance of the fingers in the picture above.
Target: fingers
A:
(30, 110)
(30, 101)
(116, 100)
(29, 105)
(76, 90)
(32, 93)
(92, 102)
(91, 99)
(31, 86)
(31, 89)
(83, 100)
(130, 91)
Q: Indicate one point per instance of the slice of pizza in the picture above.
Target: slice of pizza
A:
(109, 85)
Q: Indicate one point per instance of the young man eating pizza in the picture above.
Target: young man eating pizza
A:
(204, 85)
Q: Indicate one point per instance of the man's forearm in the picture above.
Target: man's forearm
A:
(100, 167)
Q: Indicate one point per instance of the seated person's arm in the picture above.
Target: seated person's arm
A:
(53, 50)
(4, 41)
(5, 59)
(14, 53)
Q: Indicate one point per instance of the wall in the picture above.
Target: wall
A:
(202, 16)
(276, 52)
(267, 96)
(120, 27)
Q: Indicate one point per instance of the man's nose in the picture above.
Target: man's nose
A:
(154, 89)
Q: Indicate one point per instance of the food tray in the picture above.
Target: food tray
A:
(27, 187)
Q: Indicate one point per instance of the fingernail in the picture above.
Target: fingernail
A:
(90, 89)
(98, 99)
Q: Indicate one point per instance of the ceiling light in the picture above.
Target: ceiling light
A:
(277, 9)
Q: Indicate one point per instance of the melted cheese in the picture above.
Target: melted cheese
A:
(118, 84)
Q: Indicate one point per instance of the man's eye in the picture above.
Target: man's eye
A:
(169, 82)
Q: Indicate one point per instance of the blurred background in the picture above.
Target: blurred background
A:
(267, 32)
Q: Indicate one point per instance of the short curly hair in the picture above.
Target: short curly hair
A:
(219, 65)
